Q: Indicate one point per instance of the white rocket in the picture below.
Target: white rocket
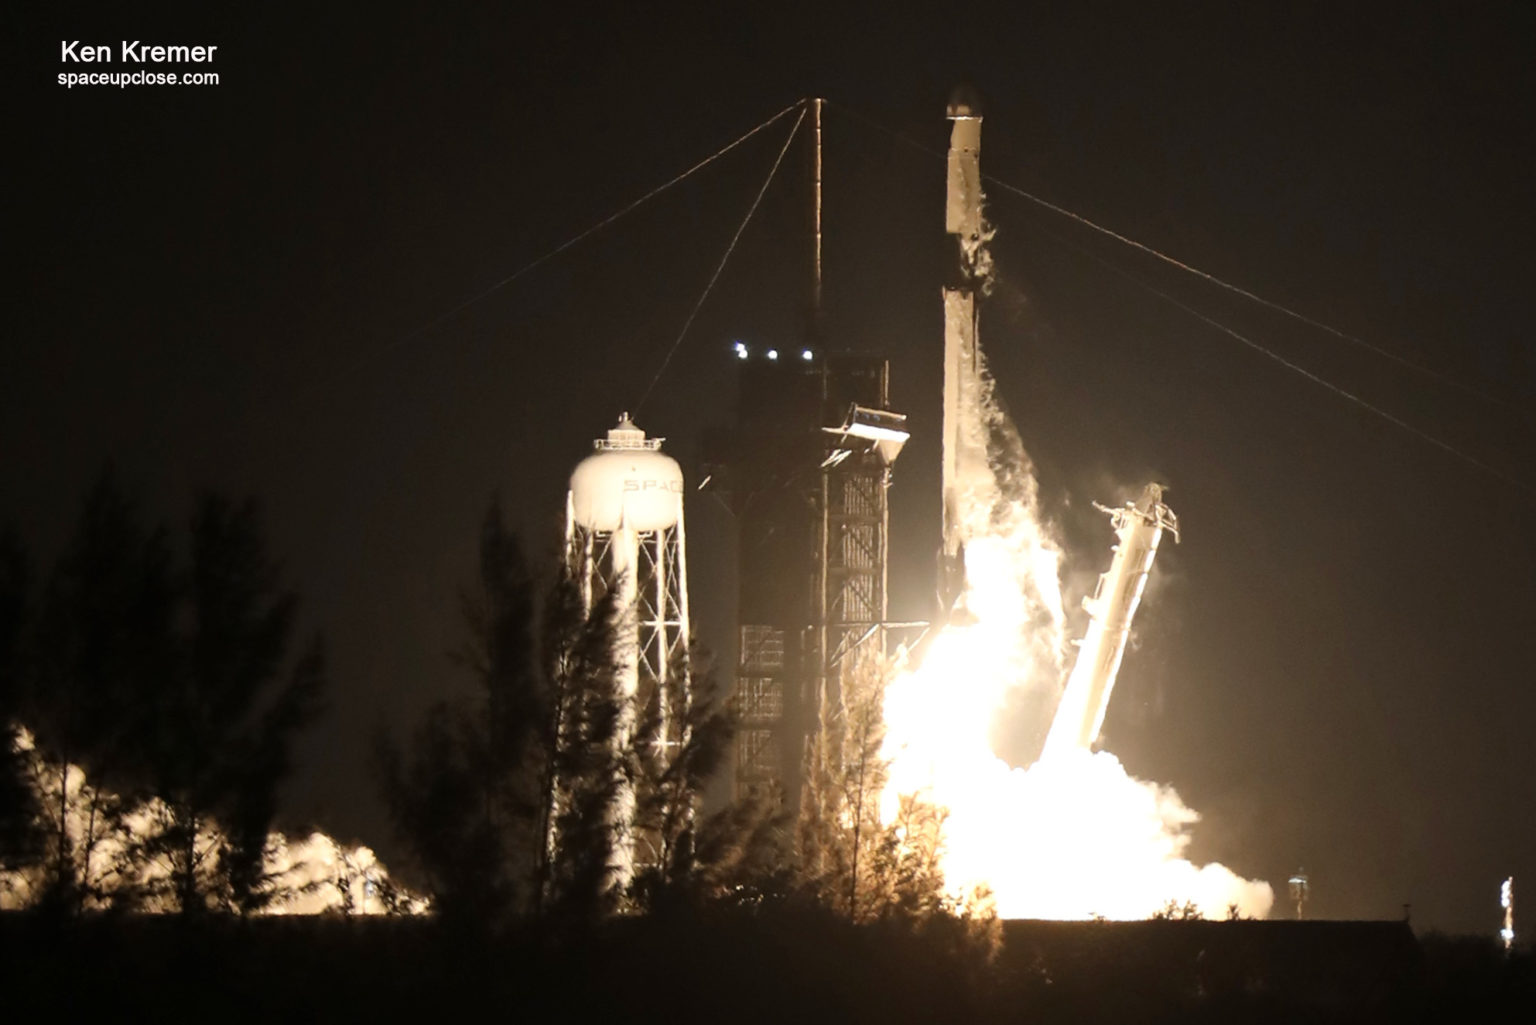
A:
(1138, 526)
(969, 485)
(964, 441)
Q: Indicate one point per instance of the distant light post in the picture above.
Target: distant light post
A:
(1299, 891)
(1507, 901)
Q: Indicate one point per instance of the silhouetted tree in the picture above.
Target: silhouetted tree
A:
(221, 726)
(839, 829)
(535, 795)
(744, 852)
(586, 760)
(102, 644)
(460, 793)
(440, 805)
(853, 860)
(684, 735)
(506, 801)
(1189, 911)
(163, 708)
(818, 833)
(21, 834)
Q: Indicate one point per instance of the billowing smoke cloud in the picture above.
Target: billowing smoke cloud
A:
(310, 874)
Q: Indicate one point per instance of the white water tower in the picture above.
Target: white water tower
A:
(624, 534)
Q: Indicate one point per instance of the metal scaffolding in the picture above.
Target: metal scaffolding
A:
(807, 474)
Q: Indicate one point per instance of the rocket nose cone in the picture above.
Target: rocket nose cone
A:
(964, 102)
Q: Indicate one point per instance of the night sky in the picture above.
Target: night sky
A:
(242, 287)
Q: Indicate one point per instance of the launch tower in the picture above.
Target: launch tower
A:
(806, 472)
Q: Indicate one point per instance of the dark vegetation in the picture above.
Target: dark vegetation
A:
(166, 676)
(509, 802)
(771, 965)
(160, 668)
(168, 673)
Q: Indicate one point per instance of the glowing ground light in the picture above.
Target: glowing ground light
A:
(1300, 891)
(1507, 901)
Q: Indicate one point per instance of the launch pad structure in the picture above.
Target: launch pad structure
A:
(806, 473)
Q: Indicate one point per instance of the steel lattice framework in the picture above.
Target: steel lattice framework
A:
(807, 474)
(625, 539)
(660, 599)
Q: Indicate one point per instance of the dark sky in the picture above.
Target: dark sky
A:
(223, 286)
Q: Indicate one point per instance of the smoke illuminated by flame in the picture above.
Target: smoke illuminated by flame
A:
(1071, 837)
(311, 874)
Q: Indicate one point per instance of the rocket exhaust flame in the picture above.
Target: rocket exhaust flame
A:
(1073, 835)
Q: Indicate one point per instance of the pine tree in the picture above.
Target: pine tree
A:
(855, 861)
(683, 738)
(102, 645)
(743, 854)
(839, 830)
(442, 810)
(513, 803)
(583, 763)
(505, 801)
(161, 709)
(21, 835)
(218, 744)
(463, 793)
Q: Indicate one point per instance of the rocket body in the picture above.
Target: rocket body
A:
(964, 441)
(962, 207)
(965, 448)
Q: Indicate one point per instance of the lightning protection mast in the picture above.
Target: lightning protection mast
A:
(806, 472)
